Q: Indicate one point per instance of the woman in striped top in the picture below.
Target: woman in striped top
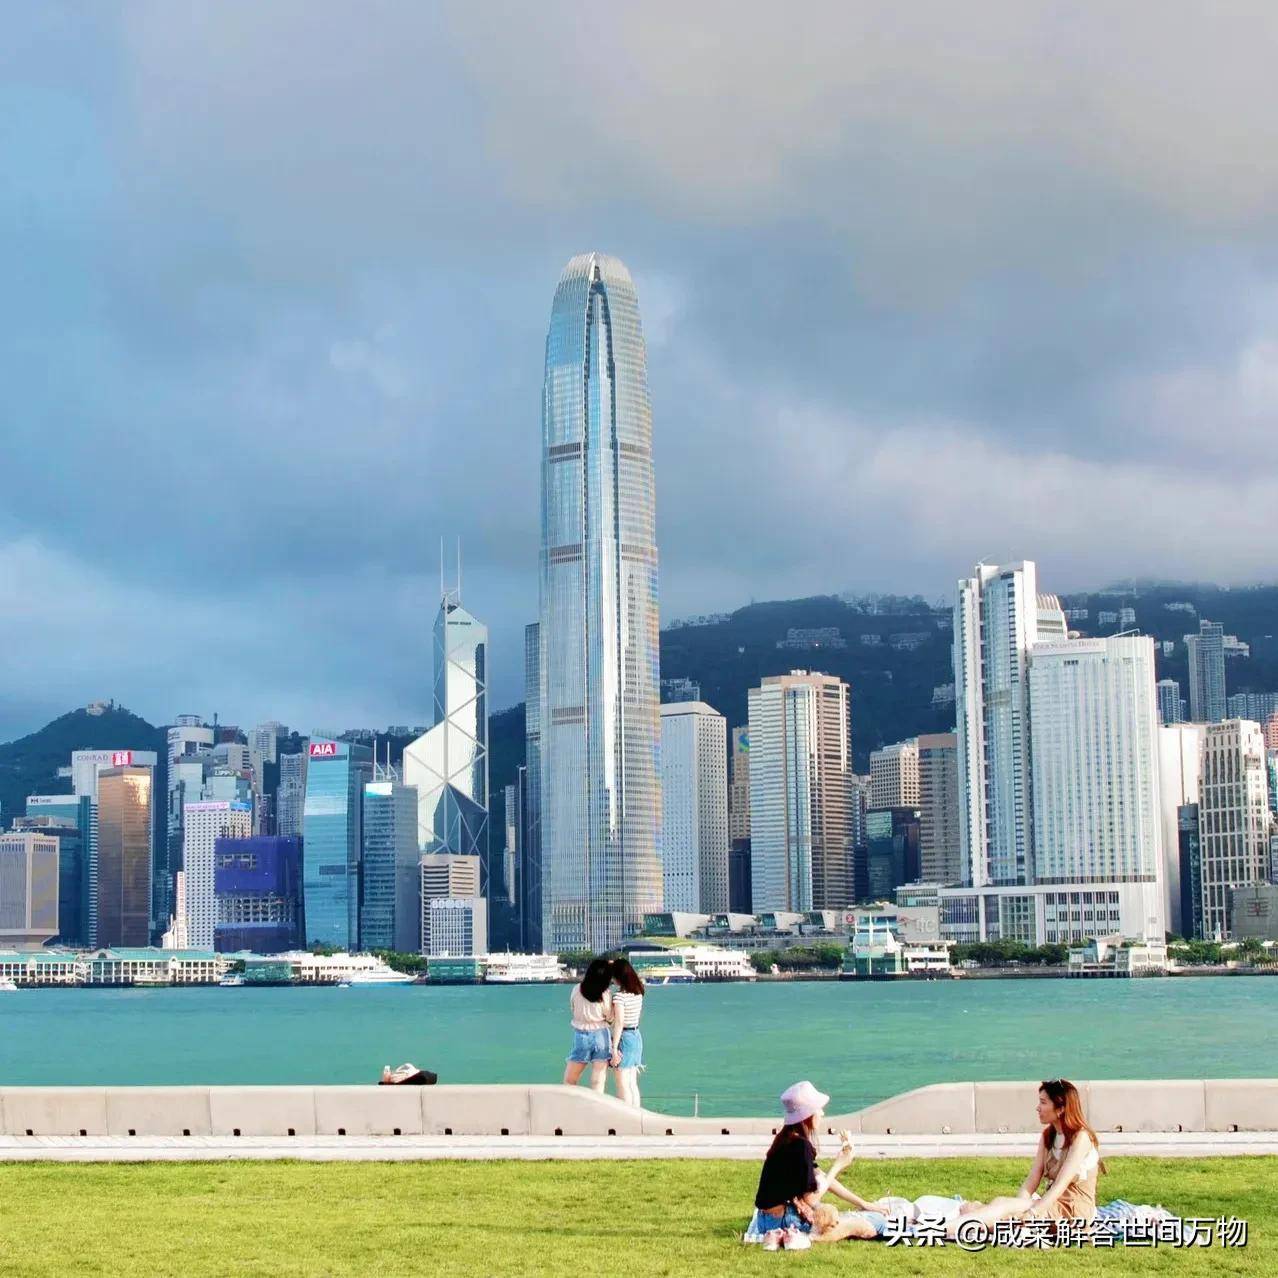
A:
(627, 1041)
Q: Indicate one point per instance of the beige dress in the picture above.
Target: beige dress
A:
(1078, 1200)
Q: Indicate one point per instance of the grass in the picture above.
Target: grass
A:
(518, 1218)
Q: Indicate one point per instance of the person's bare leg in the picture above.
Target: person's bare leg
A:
(628, 1086)
(573, 1071)
(598, 1076)
(993, 1211)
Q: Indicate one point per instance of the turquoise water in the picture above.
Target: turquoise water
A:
(735, 1046)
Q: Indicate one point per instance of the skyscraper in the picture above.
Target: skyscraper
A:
(529, 875)
(336, 773)
(1233, 813)
(204, 824)
(600, 790)
(894, 775)
(1169, 702)
(390, 914)
(694, 807)
(258, 888)
(448, 878)
(28, 889)
(448, 764)
(1180, 767)
(125, 833)
(1097, 817)
(940, 819)
(998, 617)
(800, 793)
(1206, 659)
(290, 797)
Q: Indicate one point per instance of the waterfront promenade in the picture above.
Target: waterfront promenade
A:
(1185, 1118)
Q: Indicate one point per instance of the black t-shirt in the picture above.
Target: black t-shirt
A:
(788, 1173)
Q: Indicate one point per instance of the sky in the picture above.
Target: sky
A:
(922, 284)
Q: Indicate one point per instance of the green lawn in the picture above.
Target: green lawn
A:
(556, 1218)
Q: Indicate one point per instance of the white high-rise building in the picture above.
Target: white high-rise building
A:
(694, 806)
(800, 793)
(1206, 657)
(1096, 812)
(202, 824)
(894, 775)
(998, 617)
(1180, 767)
(1233, 818)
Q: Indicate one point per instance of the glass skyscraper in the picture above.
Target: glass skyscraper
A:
(448, 765)
(336, 774)
(600, 802)
(390, 909)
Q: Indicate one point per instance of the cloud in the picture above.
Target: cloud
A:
(919, 283)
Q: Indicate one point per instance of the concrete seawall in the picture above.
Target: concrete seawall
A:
(943, 1110)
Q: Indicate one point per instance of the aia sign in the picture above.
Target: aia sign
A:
(323, 749)
(121, 758)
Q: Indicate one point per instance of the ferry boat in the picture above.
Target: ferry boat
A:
(234, 979)
(379, 976)
(8, 986)
(521, 969)
(668, 976)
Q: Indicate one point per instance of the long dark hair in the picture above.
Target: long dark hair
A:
(626, 976)
(596, 980)
(804, 1129)
(1064, 1095)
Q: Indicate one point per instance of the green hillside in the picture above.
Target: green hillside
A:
(30, 765)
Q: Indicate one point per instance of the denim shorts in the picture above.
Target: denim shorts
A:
(631, 1046)
(762, 1224)
(590, 1045)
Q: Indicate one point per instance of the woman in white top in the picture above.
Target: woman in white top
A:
(592, 1019)
(627, 1041)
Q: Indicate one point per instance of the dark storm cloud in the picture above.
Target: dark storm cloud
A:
(919, 286)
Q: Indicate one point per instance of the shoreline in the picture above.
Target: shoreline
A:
(762, 978)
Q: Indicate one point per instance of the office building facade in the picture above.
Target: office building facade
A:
(445, 877)
(332, 821)
(800, 770)
(940, 819)
(203, 825)
(891, 852)
(258, 892)
(600, 774)
(1180, 766)
(1234, 822)
(894, 776)
(530, 869)
(390, 914)
(28, 889)
(1095, 746)
(125, 840)
(694, 806)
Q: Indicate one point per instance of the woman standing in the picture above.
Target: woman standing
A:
(592, 1016)
(627, 1041)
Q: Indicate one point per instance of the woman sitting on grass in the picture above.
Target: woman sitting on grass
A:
(791, 1184)
(1068, 1155)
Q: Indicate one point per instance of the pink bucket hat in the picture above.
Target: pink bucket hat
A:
(802, 1101)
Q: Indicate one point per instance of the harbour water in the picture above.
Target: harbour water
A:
(725, 1049)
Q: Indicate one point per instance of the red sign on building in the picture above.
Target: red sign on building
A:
(323, 749)
(121, 758)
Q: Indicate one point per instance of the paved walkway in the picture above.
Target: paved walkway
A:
(410, 1148)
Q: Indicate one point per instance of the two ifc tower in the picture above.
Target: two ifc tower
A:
(591, 827)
